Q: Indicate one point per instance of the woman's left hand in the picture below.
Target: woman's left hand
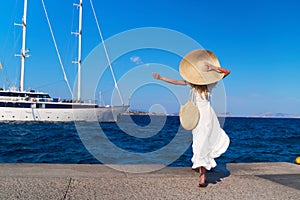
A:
(211, 67)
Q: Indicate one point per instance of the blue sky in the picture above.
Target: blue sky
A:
(258, 40)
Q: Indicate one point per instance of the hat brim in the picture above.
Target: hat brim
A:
(193, 67)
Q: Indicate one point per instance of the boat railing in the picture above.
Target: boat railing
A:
(43, 100)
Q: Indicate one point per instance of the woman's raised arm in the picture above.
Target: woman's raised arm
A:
(168, 80)
(220, 69)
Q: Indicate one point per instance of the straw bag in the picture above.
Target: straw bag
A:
(189, 114)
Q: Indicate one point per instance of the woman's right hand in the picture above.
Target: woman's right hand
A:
(156, 76)
(168, 80)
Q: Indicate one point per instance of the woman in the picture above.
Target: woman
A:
(209, 139)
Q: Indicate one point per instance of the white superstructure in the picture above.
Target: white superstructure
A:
(37, 106)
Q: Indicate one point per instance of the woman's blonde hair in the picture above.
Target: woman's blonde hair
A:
(202, 90)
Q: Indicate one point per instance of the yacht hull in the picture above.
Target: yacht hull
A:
(101, 114)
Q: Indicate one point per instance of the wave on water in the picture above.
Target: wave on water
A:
(252, 140)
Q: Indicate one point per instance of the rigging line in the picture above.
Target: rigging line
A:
(9, 59)
(48, 84)
(9, 30)
(7, 81)
(56, 48)
(69, 49)
(106, 54)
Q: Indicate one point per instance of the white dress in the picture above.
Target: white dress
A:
(209, 139)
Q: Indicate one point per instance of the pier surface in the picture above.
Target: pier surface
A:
(67, 181)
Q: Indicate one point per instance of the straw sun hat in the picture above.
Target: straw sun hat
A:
(193, 67)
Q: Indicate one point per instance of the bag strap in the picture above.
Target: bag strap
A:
(192, 96)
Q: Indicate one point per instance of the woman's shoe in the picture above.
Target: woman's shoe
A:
(203, 184)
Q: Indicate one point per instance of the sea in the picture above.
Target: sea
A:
(153, 138)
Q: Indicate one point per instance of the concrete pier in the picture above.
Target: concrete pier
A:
(67, 181)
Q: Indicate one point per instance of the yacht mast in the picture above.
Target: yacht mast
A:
(23, 50)
(78, 62)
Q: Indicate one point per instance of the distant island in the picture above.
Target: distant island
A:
(135, 112)
(227, 114)
(274, 115)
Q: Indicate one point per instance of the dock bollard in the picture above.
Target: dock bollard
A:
(297, 160)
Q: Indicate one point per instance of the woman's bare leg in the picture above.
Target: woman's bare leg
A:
(202, 182)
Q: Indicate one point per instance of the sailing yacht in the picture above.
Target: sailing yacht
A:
(21, 105)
